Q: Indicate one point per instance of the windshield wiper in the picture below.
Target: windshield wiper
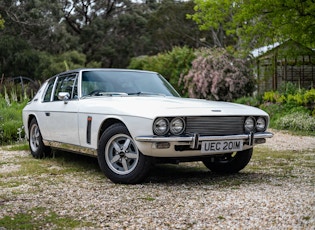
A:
(146, 93)
(106, 94)
(113, 94)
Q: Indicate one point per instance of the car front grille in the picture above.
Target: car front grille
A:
(215, 126)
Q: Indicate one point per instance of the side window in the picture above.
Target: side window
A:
(49, 89)
(67, 84)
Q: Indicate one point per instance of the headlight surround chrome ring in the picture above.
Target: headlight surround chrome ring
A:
(161, 126)
(261, 124)
(249, 124)
(177, 126)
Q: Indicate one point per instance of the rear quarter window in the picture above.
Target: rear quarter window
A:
(49, 89)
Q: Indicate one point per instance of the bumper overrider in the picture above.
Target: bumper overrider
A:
(191, 145)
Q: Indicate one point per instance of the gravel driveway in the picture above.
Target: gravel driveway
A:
(271, 193)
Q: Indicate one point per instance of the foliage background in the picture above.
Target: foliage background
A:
(217, 75)
(171, 65)
(39, 36)
(254, 23)
(183, 40)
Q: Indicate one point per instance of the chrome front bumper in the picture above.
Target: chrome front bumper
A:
(194, 140)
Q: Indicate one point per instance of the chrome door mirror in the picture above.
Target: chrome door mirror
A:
(63, 96)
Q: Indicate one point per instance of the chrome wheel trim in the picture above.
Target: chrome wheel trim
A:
(121, 154)
(35, 138)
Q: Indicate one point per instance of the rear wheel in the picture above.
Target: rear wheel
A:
(37, 147)
(230, 162)
(119, 157)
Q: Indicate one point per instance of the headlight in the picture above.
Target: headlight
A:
(160, 126)
(177, 126)
(249, 124)
(261, 124)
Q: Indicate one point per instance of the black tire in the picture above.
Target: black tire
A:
(229, 163)
(37, 147)
(119, 158)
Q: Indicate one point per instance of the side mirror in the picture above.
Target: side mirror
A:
(63, 96)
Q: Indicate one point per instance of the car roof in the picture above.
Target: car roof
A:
(104, 69)
(99, 69)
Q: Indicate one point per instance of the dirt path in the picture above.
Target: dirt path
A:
(285, 141)
(272, 193)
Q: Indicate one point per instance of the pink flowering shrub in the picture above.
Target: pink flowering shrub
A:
(217, 75)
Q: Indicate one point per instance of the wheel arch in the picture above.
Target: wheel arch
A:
(27, 123)
(30, 118)
(106, 123)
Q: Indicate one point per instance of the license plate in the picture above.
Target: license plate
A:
(221, 146)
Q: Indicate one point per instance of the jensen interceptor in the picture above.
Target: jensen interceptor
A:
(132, 119)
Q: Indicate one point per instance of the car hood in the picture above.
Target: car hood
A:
(155, 106)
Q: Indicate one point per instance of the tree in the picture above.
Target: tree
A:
(1, 22)
(215, 74)
(169, 27)
(50, 65)
(81, 13)
(257, 23)
(115, 40)
(214, 16)
(33, 21)
(107, 32)
(107, 29)
(17, 58)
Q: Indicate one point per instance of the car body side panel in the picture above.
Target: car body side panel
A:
(57, 121)
(137, 126)
(62, 122)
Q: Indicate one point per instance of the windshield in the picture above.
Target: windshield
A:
(120, 82)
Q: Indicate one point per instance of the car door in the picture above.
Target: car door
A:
(60, 116)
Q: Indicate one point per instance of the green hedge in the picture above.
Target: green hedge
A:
(11, 120)
(171, 65)
(289, 108)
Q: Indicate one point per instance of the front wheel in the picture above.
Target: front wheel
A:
(229, 163)
(37, 147)
(119, 157)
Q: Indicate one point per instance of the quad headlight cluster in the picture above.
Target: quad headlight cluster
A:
(163, 126)
(253, 124)
(173, 125)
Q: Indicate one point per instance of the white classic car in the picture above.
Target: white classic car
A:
(132, 119)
